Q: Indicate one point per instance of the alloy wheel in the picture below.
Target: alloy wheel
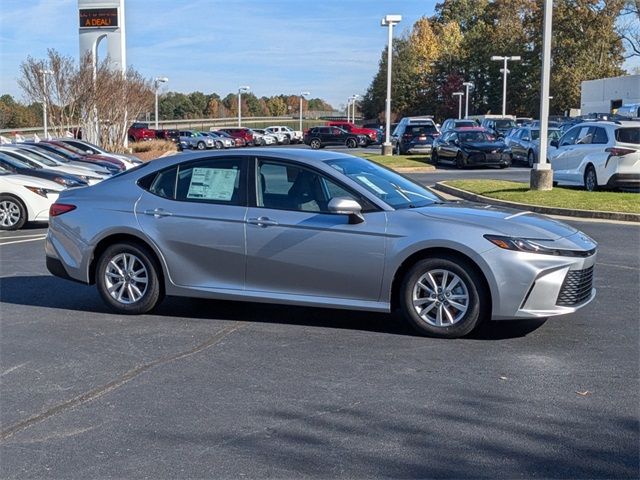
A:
(440, 298)
(9, 213)
(126, 278)
(590, 181)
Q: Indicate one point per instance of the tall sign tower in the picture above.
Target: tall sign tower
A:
(103, 20)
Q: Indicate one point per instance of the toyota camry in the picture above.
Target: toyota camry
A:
(314, 228)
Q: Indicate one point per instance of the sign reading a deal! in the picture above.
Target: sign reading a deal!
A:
(98, 17)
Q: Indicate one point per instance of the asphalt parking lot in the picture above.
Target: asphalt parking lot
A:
(224, 389)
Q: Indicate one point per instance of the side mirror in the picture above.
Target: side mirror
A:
(525, 139)
(346, 206)
(554, 143)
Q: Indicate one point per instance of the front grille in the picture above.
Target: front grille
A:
(576, 287)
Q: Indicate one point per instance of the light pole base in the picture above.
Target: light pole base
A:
(541, 177)
(387, 149)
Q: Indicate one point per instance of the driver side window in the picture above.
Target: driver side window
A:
(289, 187)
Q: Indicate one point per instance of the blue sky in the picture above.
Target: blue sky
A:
(328, 47)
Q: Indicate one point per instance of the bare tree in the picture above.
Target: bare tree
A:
(98, 99)
(629, 27)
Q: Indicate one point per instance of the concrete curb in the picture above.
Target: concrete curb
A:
(567, 212)
(415, 169)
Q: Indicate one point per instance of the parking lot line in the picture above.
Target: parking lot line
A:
(22, 241)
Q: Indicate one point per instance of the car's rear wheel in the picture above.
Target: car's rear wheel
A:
(531, 159)
(201, 146)
(315, 144)
(13, 214)
(590, 179)
(459, 161)
(351, 143)
(434, 157)
(443, 297)
(286, 141)
(128, 279)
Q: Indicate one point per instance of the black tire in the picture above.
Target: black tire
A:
(531, 159)
(434, 157)
(590, 179)
(201, 146)
(286, 141)
(153, 293)
(219, 145)
(351, 143)
(9, 207)
(315, 143)
(477, 302)
(460, 161)
(398, 149)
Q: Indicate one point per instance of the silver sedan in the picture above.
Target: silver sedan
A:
(318, 229)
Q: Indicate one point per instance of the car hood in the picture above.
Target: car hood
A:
(484, 146)
(500, 220)
(27, 180)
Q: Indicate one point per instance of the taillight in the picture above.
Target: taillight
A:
(618, 151)
(59, 208)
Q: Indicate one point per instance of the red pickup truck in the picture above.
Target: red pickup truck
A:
(140, 131)
(372, 135)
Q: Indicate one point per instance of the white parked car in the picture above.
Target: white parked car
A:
(597, 154)
(295, 136)
(261, 137)
(34, 160)
(24, 199)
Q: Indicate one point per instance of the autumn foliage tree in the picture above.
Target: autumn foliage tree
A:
(456, 44)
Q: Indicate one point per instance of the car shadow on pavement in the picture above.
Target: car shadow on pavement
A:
(51, 292)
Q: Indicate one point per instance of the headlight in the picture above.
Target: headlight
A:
(66, 182)
(40, 191)
(530, 246)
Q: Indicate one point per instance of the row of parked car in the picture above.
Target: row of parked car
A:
(588, 152)
(32, 174)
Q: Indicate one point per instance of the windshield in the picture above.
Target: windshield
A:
(505, 124)
(415, 130)
(59, 150)
(45, 156)
(465, 123)
(73, 149)
(471, 137)
(37, 158)
(14, 162)
(390, 187)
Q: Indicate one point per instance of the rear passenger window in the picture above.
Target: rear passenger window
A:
(164, 183)
(599, 136)
(212, 181)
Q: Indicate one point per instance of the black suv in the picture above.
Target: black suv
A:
(414, 135)
(320, 137)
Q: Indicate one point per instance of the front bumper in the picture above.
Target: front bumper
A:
(483, 158)
(531, 285)
(420, 148)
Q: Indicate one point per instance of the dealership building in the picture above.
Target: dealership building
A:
(606, 95)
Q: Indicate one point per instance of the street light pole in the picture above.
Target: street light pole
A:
(44, 101)
(355, 97)
(505, 71)
(459, 95)
(541, 173)
(302, 95)
(389, 21)
(157, 81)
(245, 88)
(467, 86)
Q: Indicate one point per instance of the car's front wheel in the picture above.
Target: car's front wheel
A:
(460, 161)
(219, 145)
(13, 214)
(128, 279)
(351, 143)
(315, 144)
(443, 297)
(201, 146)
(531, 159)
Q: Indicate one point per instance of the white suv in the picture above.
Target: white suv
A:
(294, 136)
(600, 153)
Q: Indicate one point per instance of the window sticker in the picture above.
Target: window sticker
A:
(370, 184)
(212, 183)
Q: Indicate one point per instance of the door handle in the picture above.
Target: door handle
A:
(158, 213)
(262, 222)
